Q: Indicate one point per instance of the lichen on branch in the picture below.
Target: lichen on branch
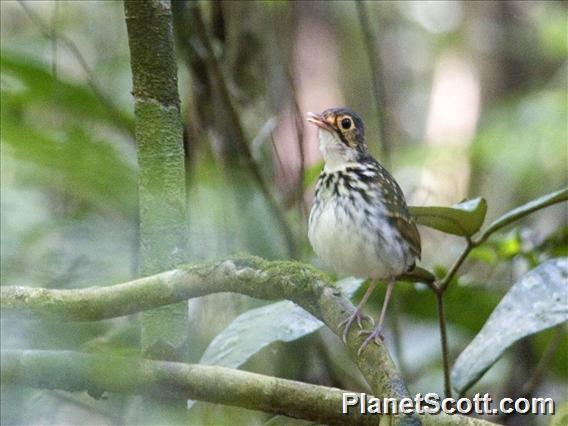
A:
(249, 275)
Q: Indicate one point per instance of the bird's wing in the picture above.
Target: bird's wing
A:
(397, 210)
(408, 230)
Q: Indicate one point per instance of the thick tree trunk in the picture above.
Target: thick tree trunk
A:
(159, 138)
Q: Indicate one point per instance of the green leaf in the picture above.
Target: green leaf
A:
(536, 302)
(90, 170)
(560, 418)
(31, 81)
(485, 254)
(462, 219)
(312, 173)
(257, 328)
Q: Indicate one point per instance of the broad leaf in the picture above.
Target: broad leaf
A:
(36, 83)
(253, 330)
(539, 300)
(257, 328)
(71, 160)
(463, 219)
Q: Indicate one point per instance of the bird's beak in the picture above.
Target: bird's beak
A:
(320, 121)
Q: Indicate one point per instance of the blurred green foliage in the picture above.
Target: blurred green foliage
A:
(69, 203)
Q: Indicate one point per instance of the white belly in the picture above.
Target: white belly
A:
(356, 244)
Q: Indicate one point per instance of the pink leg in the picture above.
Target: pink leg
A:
(357, 315)
(377, 332)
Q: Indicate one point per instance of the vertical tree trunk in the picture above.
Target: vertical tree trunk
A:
(159, 138)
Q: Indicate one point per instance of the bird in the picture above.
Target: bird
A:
(359, 223)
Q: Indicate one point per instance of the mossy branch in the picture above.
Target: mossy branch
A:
(97, 374)
(248, 275)
(161, 188)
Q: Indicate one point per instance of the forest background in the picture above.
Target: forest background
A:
(460, 99)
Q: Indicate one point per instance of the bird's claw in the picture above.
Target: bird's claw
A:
(375, 335)
(361, 317)
(346, 324)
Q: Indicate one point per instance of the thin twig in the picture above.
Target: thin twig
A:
(444, 341)
(377, 78)
(522, 211)
(443, 284)
(52, 33)
(299, 125)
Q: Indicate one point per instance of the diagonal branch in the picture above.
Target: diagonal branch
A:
(377, 78)
(237, 130)
(118, 117)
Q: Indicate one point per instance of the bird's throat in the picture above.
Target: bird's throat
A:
(335, 153)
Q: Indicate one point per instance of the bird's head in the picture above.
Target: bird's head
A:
(341, 135)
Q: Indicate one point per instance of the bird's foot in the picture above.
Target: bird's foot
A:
(375, 335)
(357, 316)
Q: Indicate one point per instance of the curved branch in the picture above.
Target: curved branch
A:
(247, 275)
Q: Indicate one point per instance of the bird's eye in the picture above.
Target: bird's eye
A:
(346, 123)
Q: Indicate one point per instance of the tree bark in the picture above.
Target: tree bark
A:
(75, 371)
(159, 139)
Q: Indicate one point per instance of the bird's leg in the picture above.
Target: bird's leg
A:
(357, 315)
(376, 334)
